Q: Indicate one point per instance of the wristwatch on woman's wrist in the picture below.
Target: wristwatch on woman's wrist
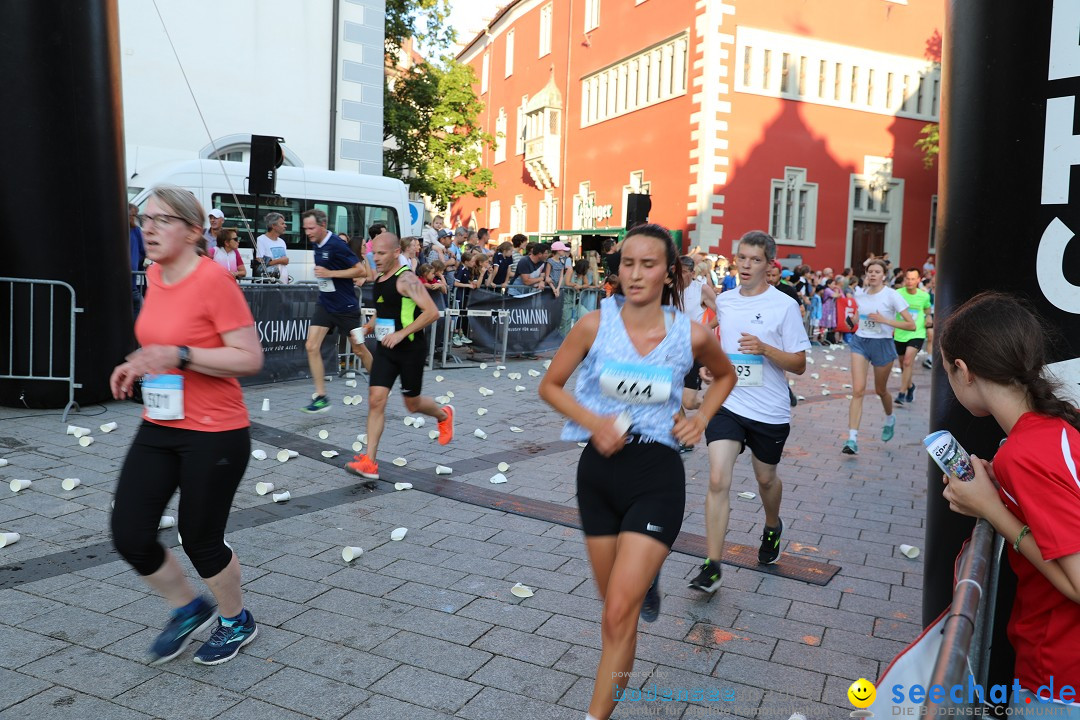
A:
(184, 353)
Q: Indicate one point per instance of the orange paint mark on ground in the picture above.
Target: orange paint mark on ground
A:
(811, 640)
(900, 615)
(720, 635)
(800, 547)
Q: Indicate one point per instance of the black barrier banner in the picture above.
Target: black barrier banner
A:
(534, 321)
(282, 315)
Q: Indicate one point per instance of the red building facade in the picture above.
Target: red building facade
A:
(731, 114)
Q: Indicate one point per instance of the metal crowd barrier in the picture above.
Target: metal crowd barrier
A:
(499, 318)
(970, 623)
(584, 300)
(51, 374)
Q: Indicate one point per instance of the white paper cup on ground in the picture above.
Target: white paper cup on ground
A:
(347, 400)
(433, 434)
(166, 521)
(450, 394)
(86, 441)
(497, 373)
(350, 375)
(3, 462)
(515, 429)
(266, 405)
(351, 552)
(483, 366)
(350, 383)
(108, 427)
(398, 534)
(77, 431)
(358, 446)
(403, 486)
(357, 399)
(408, 420)
(534, 373)
(519, 388)
(747, 496)
(330, 453)
(521, 591)
(480, 434)
(443, 470)
(263, 488)
(439, 378)
(481, 411)
(258, 454)
(909, 551)
(497, 479)
(9, 538)
(281, 496)
(17, 485)
(400, 462)
(283, 455)
(324, 434)
(293, 453)
(419, 422)
(70, 484)
(503, 467)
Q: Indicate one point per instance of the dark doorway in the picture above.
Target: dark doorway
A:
(866, 237)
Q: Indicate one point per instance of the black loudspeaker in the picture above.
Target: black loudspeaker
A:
(266, 158)
(638, 206)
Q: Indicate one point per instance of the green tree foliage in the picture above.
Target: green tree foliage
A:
(430, 112)
(929, 144)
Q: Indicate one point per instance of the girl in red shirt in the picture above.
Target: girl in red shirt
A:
(993, 351)
(197, 336)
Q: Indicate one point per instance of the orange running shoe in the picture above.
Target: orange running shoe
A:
(363, 466)
(446, 427)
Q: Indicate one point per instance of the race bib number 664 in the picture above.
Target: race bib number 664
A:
(635, 384)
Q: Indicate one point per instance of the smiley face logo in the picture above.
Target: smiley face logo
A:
(861, 694)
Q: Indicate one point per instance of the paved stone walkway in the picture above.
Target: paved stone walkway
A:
(427, 627)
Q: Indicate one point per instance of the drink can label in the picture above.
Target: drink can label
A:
(953, 460)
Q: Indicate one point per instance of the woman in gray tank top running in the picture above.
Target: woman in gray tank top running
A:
(631, 356)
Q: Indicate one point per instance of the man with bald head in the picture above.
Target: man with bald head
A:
(403, 308)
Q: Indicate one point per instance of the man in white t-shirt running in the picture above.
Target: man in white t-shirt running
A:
(761, 330)
(271, 249)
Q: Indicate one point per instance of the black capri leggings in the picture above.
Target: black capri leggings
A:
(206, 467)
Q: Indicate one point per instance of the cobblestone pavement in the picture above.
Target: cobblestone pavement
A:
(427, 627)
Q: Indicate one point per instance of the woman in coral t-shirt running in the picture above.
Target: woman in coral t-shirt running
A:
(197, 336)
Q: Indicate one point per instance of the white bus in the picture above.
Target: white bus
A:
(352, 202)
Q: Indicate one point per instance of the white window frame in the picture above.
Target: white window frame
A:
(509, 70)
(500, 137)
(547, 14)
(901, 86)
(790, 188)
(592, 15)
(519, 129)
(519, 215)
(654, 75)
(549, 212)
(494, 214)
(485, 70)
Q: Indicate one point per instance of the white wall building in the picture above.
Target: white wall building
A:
(265, 67)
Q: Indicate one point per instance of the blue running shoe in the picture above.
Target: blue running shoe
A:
(650, 609)
(911, 393)
(850, 448)
(887, 432)
(226, 641)
(179, 630)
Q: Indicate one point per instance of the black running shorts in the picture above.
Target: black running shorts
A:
(901, 347)
(766, 441)
(387, 365)
(692, 380)
(641, 488)
(344, 322)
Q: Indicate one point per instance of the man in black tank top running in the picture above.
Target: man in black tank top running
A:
(403, 308)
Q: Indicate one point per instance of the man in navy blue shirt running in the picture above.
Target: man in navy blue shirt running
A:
(335, 267)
